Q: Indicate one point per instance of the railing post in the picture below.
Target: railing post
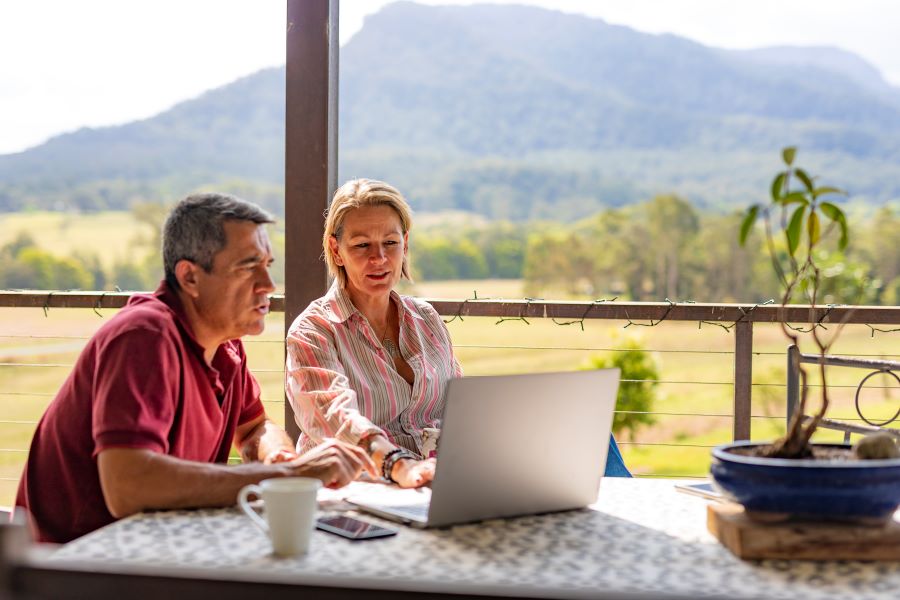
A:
(310, 153)
(743, 378)
(793, 382)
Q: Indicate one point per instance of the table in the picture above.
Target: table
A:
(642, 537)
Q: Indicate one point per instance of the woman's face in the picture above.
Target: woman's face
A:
(371, 250)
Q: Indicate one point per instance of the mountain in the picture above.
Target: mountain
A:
(236, 131)
(574, 82)
(508, 111)
(825, 60)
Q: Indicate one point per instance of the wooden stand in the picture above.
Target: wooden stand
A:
(801, 540)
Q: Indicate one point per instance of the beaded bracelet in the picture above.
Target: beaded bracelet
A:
(391, 458)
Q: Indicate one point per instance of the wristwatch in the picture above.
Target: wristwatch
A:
(391, 458)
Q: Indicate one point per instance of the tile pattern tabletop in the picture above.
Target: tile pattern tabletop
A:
(641, 536)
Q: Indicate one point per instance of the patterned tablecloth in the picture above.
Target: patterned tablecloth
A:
(641, 536)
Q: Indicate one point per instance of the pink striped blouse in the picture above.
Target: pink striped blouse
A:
(343, 384)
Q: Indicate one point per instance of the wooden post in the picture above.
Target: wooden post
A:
(793, 382)
(743, 378)
(310, 153)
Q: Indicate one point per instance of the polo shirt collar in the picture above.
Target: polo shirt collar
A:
(165, 294)
(225, 357)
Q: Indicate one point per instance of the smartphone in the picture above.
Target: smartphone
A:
(704, 490)
(354, 529)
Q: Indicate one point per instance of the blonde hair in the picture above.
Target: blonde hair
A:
(360, 193)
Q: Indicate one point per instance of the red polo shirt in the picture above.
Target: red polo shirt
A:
(141, 382)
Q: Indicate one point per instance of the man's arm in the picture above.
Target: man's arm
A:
(264, 441)
(134, 480)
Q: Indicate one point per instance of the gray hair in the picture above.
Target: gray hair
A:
(195, 231)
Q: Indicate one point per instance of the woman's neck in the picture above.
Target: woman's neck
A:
(376, 309)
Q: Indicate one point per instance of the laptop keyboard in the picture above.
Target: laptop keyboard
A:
(416, 512)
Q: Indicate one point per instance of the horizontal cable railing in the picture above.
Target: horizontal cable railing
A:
(738, 318)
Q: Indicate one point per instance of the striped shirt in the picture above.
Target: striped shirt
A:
(342, 383)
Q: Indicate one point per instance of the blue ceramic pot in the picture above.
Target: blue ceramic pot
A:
(813, 489)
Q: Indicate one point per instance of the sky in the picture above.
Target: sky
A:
(66, 64)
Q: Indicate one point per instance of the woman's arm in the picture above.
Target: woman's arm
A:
(325, 406)
(319, 390)
(406, 472)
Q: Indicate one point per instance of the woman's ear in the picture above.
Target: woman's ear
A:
(186, 274)
(334, 247)
(405, 243)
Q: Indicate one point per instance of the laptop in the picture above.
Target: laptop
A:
(511, 445)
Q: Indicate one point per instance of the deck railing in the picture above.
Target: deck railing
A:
(739, 317)
(736, 318)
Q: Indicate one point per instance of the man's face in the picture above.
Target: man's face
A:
(233, 297)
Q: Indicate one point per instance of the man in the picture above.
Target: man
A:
(147, 418)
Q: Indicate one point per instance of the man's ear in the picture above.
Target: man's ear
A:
(186, 273)
(333, 246)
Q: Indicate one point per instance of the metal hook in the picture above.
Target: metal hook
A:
(47, 304)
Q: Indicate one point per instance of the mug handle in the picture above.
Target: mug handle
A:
(244, 504)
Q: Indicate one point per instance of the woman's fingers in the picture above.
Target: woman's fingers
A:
(280, 455)
(415, 473)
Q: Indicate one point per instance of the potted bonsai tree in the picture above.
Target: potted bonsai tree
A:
(792, 476)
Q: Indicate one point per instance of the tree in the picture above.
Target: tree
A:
(33, 268)
(130, 276)
(617, 250)
(637, 392)
(503, 246)
(549, 261)
(69, 274)
(91, 263)
(880, 249)
(718, 269)
(673, 223)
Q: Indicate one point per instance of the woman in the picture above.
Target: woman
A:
(364, 364)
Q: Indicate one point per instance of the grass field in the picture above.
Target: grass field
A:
(36, 353)
(109, 235)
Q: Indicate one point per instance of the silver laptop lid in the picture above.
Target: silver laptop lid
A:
(522, 444)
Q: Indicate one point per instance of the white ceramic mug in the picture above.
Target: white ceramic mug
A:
(290, 510)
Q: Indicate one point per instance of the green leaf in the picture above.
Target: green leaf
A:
(831, 211)
(788, 155)
(802, 176)
(778, 186)
(795, 198)
(837, 215)
(794, 228)
(813, 227)
(828, 190)
(747, 223)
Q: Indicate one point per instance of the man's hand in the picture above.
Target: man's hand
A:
(333, 462)
(413, 473)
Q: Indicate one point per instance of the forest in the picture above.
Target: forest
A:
(663, 247)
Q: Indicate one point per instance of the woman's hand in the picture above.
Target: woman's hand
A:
(280, 455)
(410, 473)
